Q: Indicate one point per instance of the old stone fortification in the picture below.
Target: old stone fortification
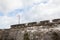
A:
(54, 23)
(43, 30)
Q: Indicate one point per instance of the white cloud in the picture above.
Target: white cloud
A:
(6, 21)
(13, 4)
(44, 11)
(5, 7)
(8, 5)
(49, 10)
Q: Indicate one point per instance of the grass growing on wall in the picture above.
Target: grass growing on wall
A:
(26, 36)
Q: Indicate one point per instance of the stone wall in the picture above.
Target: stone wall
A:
(44, 30)
(54, 23)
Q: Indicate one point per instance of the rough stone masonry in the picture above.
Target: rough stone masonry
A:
(43, 30)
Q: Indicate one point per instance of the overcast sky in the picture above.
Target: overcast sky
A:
(29, 10)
